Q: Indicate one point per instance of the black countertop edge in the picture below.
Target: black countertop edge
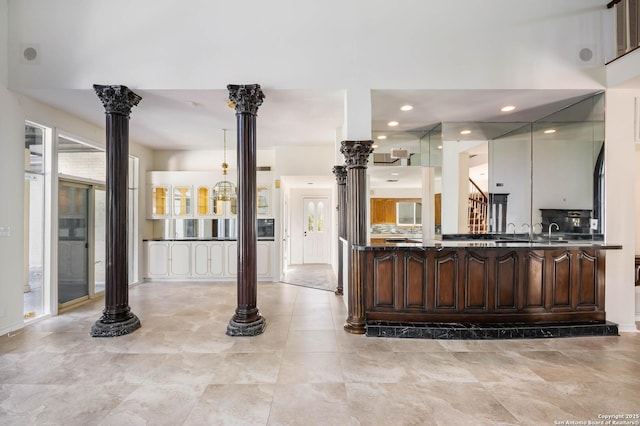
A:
(200, 239)
(464, 245)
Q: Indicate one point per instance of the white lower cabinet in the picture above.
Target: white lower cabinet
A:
(263, 259)
(180, 259)
(157, 259)
(203, 260)
(232, 259)
(207, 259)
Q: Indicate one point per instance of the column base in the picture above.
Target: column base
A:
(114, 329)
(254, 328)
(355, 328)
(339, 292)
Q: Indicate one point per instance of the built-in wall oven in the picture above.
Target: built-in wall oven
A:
(266, 229)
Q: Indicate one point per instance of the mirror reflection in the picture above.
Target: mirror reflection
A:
(507, 178)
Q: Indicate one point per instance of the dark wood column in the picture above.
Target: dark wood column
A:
(341, 177)
(117, 318)
(356, 154)
(247, 320)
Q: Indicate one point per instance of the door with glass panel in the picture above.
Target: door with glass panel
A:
(316, 230)
(73, 242)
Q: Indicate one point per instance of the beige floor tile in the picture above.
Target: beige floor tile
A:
(232, 404)
(182, 368)
(310, 404)
(425, 404)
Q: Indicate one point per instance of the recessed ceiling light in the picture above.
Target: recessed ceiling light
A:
(374, 146)
(382, 137)
(550, 131)
(406, 107)
(395, 174)
(393, 123)
(439, 146)
(507, 108)
(465, 132)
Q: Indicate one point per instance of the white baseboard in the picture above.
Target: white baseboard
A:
(11, 328)
(628, 328)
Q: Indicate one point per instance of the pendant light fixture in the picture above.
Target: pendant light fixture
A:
(225, 190)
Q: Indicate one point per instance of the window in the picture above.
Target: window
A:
(409, 213)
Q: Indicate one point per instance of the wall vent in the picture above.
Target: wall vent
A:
(263, 168)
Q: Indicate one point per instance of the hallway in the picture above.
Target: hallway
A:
(316, 275)
(181, 368)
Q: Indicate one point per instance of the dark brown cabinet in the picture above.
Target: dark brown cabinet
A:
(480, 286)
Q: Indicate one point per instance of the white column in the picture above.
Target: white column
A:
(620, 221)
(463, 192)
(357, 115)
(455, 188)
(428, 210)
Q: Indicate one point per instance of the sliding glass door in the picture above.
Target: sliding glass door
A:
(73, 242)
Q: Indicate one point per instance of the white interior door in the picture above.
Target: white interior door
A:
(316, 230)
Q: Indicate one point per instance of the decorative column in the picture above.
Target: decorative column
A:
(356, 154)
(247, 320)
(117, 318)
(341, 177)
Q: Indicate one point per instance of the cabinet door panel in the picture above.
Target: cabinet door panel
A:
(232, 259)
(200, 266)
(263, 259)
(446, 282)
(216, 259)
(158, 259)
(179, 259)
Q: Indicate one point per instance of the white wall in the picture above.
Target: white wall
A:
(304, 161)
(532, 44)
(637, 221)
(620, 206)
(4, 36)
(205, 160)
(12, 259)
(510, 166)
(562, 175)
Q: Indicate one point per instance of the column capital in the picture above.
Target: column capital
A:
(356, 153)
(117, 99)
(246, 98)
(341, 174)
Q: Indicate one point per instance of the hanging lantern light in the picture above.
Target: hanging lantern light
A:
(225, 190)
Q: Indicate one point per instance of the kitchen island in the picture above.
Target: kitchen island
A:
(485, 288)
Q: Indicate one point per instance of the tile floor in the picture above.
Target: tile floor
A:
(181, 369)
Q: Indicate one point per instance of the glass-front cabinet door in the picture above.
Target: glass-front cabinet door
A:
(203, 207)
(182, 201)
(160, 202)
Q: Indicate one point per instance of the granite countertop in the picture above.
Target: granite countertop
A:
(490, 244)
(201, 239)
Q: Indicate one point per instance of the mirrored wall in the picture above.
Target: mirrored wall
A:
(509, 177)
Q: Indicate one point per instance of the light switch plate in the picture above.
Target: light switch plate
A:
(5, 231)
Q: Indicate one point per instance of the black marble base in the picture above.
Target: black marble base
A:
(454, 331)
(114, 329)
(246, 329)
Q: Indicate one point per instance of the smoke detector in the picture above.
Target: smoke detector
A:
(400, 153)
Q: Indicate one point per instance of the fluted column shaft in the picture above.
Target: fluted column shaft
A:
(117, 318)
(341, 178)
(356, 155)
(247, 320)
